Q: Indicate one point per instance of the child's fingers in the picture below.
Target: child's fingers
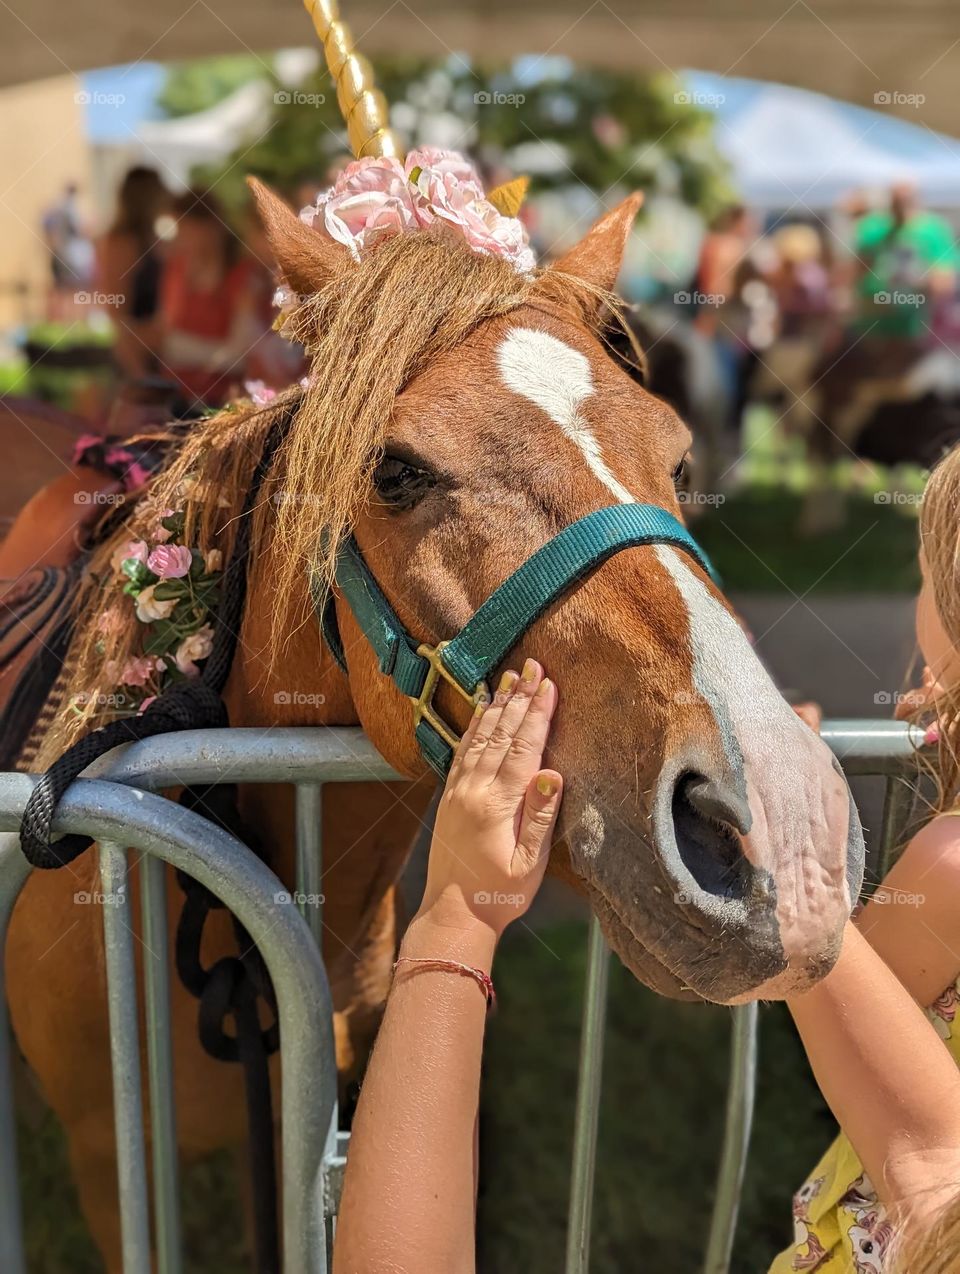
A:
(541, 805)
(913, 701)
(524, 756)
(466, 741)
(485, 724)
(502, 736)
(810, 714)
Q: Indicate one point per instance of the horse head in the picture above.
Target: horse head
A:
(711, 830)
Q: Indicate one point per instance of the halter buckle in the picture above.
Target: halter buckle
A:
(423, 709)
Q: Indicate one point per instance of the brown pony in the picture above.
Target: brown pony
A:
(457, 416)
(42, 439)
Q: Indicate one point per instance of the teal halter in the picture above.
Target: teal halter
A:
(467, 660)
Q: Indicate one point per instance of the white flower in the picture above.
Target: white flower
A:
(150, 608)
(197, 646)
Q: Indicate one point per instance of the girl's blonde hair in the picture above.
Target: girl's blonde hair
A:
(940, 544)
(936, 1251)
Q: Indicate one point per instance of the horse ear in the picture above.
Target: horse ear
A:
(599, 254)
(305, 258)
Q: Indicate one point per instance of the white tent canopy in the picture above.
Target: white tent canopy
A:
(206, 137)
(789, 147)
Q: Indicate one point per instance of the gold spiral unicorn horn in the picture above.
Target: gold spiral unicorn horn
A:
(364, 108)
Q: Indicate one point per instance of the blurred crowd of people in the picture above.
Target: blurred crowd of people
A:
(778, 305)
(188, 290)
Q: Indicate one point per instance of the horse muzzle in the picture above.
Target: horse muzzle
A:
(734, 889)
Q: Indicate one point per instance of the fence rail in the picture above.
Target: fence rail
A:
(118, 805)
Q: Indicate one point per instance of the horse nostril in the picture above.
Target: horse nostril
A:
(708, 821)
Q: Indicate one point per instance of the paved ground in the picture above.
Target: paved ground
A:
(851, 654)
(842, 651)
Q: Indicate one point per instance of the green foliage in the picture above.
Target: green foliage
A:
(70, 335)
(14, 377)
(609, 131)
(873, 551)
(199, 84)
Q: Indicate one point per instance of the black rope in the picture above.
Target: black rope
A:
(233, 985)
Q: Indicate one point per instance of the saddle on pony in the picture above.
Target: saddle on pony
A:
(43, 554)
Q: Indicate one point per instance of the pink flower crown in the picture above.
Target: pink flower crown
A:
(377, 197)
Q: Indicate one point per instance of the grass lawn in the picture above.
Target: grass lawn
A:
(753, 534)
(663, 1097)
(664, 1088)
(753, 542)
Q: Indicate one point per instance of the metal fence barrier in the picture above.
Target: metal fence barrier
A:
(119, 806)
(884, 748)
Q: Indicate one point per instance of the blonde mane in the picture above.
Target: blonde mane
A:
(370, 330)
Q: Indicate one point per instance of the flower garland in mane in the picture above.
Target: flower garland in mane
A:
(423, 268)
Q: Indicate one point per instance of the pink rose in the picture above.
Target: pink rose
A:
(443, 161)
(488, 230)
(371, 197)
(136, 549)
(170, 561)
(138, 669)
(197, 646)
(376, 197)
(260, 394)
(357, 220)
(485, 229)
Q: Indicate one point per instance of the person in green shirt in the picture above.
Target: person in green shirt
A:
(908, 258)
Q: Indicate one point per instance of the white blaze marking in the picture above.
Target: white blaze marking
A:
(557, 379)
(785, 775)
(727, 673)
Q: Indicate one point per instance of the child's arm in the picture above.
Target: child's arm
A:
(893, 1087)
(409, 1195)
(913, 922)
(410, 1188)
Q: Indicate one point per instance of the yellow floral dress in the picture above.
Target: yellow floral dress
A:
(839, 1225)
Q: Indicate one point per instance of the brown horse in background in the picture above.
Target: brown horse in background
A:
(696, 801)
(38, 443)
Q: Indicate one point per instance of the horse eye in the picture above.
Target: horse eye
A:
(401, 484)
(681, 474)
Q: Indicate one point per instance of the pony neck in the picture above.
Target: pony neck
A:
(301, 684)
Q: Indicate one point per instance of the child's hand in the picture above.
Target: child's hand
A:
(810, 714)
(914, 700)
(498, 810)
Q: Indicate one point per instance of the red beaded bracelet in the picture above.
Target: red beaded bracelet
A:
(482, 979)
